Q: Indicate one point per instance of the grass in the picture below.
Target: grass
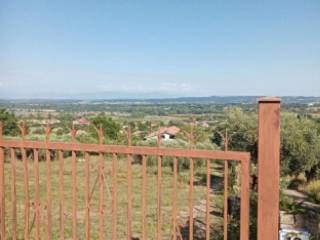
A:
(166, 198)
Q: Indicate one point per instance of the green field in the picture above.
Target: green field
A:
(216, 197)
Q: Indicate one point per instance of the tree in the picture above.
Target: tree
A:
(10, 122)
(242, 131)
(195, 133)
(300, 146)
(300, 140)
(65, 121)
(110, 127)
(144, 126)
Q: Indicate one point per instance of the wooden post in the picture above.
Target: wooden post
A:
(268, 168)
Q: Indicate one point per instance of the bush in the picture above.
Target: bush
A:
(58, 131)
(290, 206)
(110, 128)
(297, 182)
(183, 163)
(36, 131)
(10, 123)
(313, 190)
(85, 137)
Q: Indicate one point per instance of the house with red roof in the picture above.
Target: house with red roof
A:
(81, 121)
(166, 133)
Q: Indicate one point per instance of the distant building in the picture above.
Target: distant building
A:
(81, 121)
(204, 124)
(166, 133)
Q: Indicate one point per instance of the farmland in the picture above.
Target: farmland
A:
(206, 120)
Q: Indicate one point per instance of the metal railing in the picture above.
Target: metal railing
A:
(30, 152)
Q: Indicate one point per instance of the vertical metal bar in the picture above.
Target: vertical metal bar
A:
(49, 194)
(114, 196)
(208, 186)
(159, 218)
(159, 175)
(37, 192)
(174, 201)
(2, 191)
(74, 195)
(87, 189)
(129, 179)
(143, 198)
(245, 199)
(101, 178)
(61, 195)
(268, 168)
(26, 193)
(191, 199)
(13, 193)
(101, 196)
(74, 184)
(225, 195)
(47, 130)
(225, 198)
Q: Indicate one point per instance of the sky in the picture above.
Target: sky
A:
(125, 49)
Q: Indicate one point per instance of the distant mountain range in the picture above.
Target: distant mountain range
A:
(170, 100)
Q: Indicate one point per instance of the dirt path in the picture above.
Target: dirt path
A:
(302, 198)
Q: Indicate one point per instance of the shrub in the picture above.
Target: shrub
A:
(10, 122)
(298, 181)
(36, 131)
(313, 190)
(183, 163)
(58, 131)
(85, 137)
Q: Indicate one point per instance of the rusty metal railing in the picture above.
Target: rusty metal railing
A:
(8, 217)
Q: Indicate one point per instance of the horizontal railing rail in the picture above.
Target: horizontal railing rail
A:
(123, 149)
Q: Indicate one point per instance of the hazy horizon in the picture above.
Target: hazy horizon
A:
(126, 97)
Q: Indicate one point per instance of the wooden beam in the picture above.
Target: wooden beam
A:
(268, 168)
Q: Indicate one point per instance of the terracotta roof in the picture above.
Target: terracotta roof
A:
(173, 130)
(81, 121)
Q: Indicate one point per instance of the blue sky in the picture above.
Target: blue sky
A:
(159, 48)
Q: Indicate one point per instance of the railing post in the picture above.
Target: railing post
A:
(2, 191)
(245, 198)
(268, 168)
